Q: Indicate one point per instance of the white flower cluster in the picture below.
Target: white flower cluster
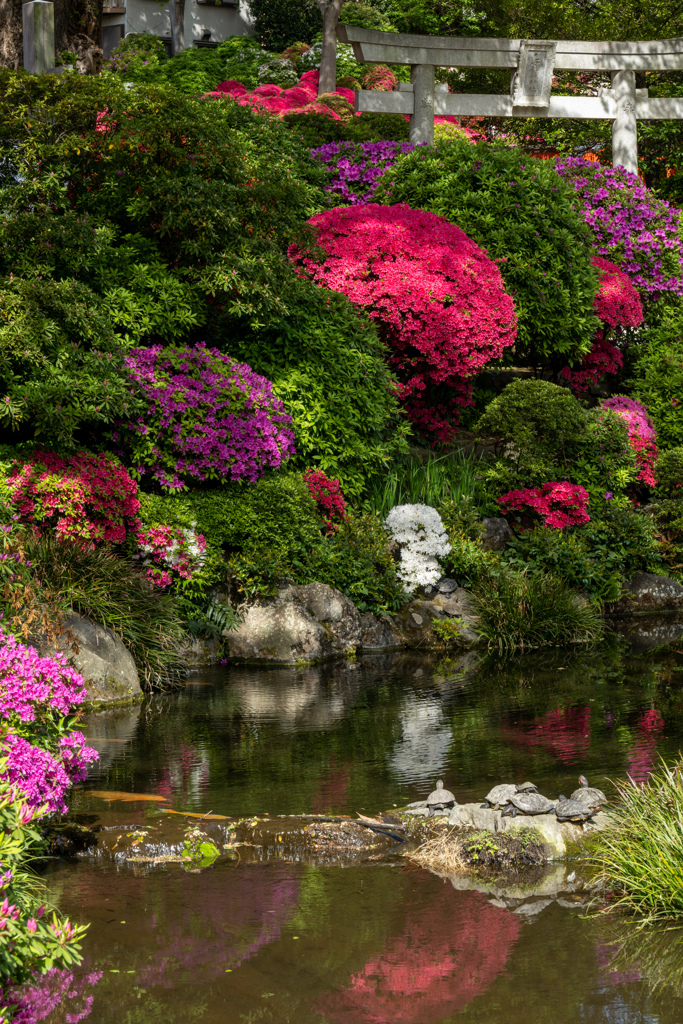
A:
(346, 62)
(419, 531)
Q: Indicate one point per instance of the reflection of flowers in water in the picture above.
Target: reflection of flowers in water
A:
(422, 751)
(565, 732)
(451, 950)
(52, 990)
(605, 954)
(331, 794)
(642, 755)
(187, 772)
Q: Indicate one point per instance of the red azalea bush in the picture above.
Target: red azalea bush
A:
(328, 497)
(559, 504)
(642, 435)
(82, 495)
(380, 78)
(302, 98)
(437, 298)
(618, 305)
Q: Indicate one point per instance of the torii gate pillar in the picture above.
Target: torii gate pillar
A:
(624, 125)
(422, 118)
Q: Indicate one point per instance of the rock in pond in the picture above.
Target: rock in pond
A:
(414, 622)
(106, 665)
(647, 593)
(301, 624)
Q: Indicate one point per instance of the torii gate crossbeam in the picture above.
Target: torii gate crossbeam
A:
(532, 63)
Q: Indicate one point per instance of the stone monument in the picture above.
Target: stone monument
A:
(532, 63)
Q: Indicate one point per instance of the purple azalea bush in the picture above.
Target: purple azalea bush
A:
(633, 228)
(358, 166)
(44, 755)
(209, 418)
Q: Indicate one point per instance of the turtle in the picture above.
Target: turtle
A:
(500, 795)
(588, 794)
(439, 800)
(574, 810)
(528, 803)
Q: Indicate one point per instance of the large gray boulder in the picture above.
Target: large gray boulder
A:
(106, 665)
(378, 633)
(495, 534)
(647, 593)
(301, 624)
(415, 621)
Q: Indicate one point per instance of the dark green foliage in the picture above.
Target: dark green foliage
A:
(279, 23)
(112, 591)
(667, 519)
(521, 212)
(356, 560)
(657, 375)
(61, 364)
(669, 473)
(365, 15)
(523, 610)
(596, 558)
(277, 513)
(317, 129)
(545, 434)
(327, 365)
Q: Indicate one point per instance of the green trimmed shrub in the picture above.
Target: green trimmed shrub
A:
(522, 213)
(317, 129)
(545, 434)
(669, 473)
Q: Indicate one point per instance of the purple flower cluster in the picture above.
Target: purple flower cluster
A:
(635, 414)
(37, 1001)
(43, 755)
(633, 228)
(358, 166)
(30, 685)
(209, 418)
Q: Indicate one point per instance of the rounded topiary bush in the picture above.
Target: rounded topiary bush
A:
(521, 212)
(209, 418)
(436, 297)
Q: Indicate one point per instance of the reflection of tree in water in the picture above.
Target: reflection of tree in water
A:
(423, 749)
(450, 951)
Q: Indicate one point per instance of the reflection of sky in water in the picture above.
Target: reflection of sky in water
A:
(293, 704)
(422, 752)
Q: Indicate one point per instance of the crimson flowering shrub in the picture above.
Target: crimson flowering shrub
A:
(630, 225)
(558, 504)
(437, 298)
(618, 304)
(83, 495)
(380, 78)
(358, 166)
(328, 497)
(170, 553)
(274, 99)
(209, 418)
(38, 696)
(642, 435)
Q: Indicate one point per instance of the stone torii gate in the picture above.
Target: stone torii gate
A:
(532, 63)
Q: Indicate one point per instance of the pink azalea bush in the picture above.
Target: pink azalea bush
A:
(633, 228)
(87, 496)
(328, 497)
(618, 305)
(44, 755)
(274, 99)
(170, 553)
(642, 435)
(437, 298)
(558, 504)
(209, 418)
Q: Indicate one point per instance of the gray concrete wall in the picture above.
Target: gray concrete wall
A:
(222, 22)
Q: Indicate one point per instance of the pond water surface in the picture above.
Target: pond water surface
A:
(285, 941)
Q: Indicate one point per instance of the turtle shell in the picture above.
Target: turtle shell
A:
(532, 803)
(501, 795)
(440, 797)
(589, 795)
(573, 810)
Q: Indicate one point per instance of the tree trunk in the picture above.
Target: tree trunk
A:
(328, 62)
(177, 8)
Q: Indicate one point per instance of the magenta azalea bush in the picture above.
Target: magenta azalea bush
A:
(209, 418)
(557, 503)
(170, 553)
(357, 167)
(633, 228)
(38, 696)
(642, 435)
(438, 300)
(83, 495)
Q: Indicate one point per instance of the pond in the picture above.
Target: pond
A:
(278, 938)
